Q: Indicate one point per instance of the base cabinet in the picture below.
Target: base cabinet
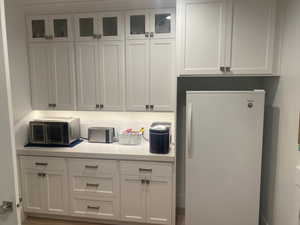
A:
(131, 191)
(44, 185)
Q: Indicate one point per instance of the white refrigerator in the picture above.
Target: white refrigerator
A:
(224, 134)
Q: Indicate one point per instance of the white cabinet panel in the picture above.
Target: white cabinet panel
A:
(252, 37)
(87, 75)
(162, 74)
(112, 75)
(57, 193)
(40, 67)
(133, 202)
(63, 76)
(137, 61)
(203, 37)
(159, 201)
(33, 191)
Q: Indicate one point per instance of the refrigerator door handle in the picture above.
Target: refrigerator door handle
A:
(189, 130)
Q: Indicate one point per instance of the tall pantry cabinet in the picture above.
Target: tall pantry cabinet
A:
(100, 61)
(51, 55)
(150, 60)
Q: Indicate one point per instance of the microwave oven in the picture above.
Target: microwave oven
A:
(54, 131)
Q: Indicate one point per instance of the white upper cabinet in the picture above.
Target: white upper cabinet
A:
(203, 37)
(50, 28)
(137, 25)
(143, 24)
(86, 28)
(112, 71)
(40, 71)
(111, 26)
(52, 76)
(252, 37)
(162, 75)
(162, 23)
(137, 71)
(104, 26)
(62, 92)
(87, 75)
(226, 37)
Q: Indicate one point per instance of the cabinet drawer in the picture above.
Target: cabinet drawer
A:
(102, 186)
(43, 163)
(145, 168)
(90, 167)
(98, 208)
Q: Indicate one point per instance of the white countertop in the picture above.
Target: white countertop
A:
(100, 151)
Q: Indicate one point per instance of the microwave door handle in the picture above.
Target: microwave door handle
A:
(189, 113)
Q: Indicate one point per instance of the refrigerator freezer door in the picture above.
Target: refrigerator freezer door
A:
(224, 135)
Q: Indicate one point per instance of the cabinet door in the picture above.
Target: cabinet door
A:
(252, 36)
(112, 75)
(137, 74)
(162, 74)
(38, 28)
(61, 28)
(86, 27)
(87, 75)
(63, 76)
(40, 67)
(159, 201)
(133, 199)
(111, 26)
(137, 25)
(162, 23)
(33, 191)
(57, 193)
(203, 37)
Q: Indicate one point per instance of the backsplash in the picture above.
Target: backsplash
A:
(119, 120)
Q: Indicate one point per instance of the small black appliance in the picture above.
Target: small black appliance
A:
(160, 138)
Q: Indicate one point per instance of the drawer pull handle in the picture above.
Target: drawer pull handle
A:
(92, 185)
(91, 167)
(41, 164)
(93, 207)
(145, 170)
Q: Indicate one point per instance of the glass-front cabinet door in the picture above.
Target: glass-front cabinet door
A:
(111, 26)
(137, 25)
(61, 28)
(162, 23)
(86, 27)
(38, 28)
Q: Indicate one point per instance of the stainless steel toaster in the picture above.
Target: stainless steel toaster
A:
(101, 134)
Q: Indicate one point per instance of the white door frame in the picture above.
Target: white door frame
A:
(8, 160)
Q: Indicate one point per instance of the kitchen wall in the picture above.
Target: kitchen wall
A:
(18, 60)
(283, 210)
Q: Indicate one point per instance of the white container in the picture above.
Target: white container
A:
(130, 138)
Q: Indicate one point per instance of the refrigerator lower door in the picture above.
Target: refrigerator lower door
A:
(223, 157)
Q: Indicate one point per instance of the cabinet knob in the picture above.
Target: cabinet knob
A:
(143, 181)
(223, 69)
(101, 106)
(97, 106)
(151, 107)
(228, 69)
(152, 34)
(147, 34)
(147, 107)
